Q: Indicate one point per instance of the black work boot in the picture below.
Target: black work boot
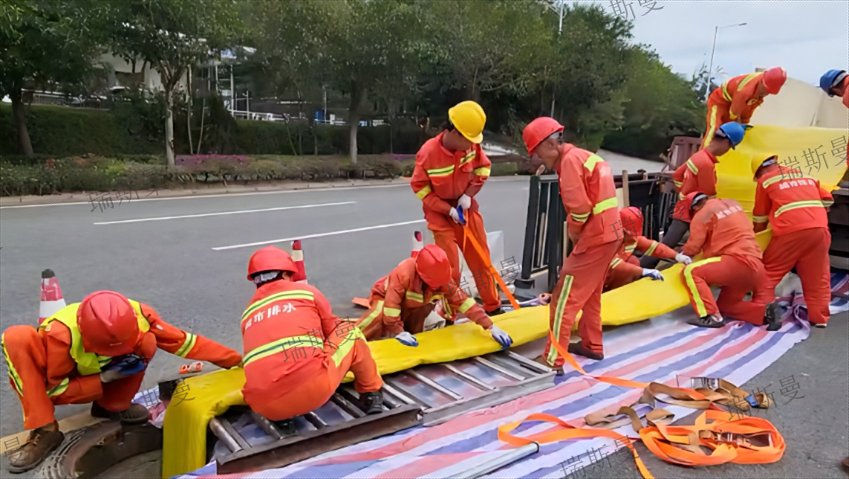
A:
(286, 427)
(135, 414)
(495, 312)
(558, 370)
(372, 403)
(771, 317)
(709, 321)
(41, 443)
(580, 350)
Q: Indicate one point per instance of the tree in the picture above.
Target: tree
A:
(44, 44)
(171, 36)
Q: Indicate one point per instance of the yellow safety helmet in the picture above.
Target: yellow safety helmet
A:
(468, 118)
(761, 161)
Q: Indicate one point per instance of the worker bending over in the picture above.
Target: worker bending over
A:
(589, 197)
(698, 173)
(834, 83)
(795, 208)
(402, 300)
(450, 170)
(625, 268)
(722, 232)
(738, 98)
(296, 350)
(94, 351)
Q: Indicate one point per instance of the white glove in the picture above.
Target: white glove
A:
(465, 202)
(682, 258)
(501, 337)
(110, 375)
(407, 339)
(653, 273)
(454, 215)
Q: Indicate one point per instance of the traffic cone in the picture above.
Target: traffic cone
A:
(417, 244)
(298, 257)
(51, 296)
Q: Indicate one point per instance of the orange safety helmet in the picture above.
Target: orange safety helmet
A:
(270, 258)
(433, 266)
(538, 130)
(692, 199)
(108, 324)
(632, 220)
(774, 79)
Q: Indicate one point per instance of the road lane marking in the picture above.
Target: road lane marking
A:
(223, 213)
(317, 235)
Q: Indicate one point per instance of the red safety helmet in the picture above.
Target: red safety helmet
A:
(433, 266)
(774, 79)
(632, 220)
(270, 258)
(108, 324)
(693, 199)
(538, 130)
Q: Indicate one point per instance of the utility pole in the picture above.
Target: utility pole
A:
(559, 33)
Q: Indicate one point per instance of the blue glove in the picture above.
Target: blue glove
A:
(653, 274)
(407, 339)
(121, 367)
(501, 337)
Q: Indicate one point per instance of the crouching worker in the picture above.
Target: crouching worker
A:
(721, 231)
(402, 300)
(296, 350)
(625, 268)
(94, 351)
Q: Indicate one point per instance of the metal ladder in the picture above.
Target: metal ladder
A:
(428, 395)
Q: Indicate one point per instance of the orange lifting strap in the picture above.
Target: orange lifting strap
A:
(467, 235)
(746, 440)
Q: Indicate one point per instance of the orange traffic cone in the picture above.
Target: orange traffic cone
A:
(51, 296)
(298, 257)
(417, 244)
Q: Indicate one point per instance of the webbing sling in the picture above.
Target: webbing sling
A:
(488, 263)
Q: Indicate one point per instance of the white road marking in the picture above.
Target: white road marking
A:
(222, 213)
(317, 235)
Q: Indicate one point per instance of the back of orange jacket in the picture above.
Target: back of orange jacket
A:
(589, 197)
(738, 94)
(698, 173)
(722, 228)
(789, 202)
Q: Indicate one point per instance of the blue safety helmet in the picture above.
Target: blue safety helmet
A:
(831, 79)
(732, 131)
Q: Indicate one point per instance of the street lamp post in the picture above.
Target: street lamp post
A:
(712, 51)
(559, 33)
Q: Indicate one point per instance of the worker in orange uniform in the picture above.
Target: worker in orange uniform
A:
(450, 170)
(834, 83)
(795, 207)
(94, 351)
(738, 98)
(296, 350)
(402, 300)
(625, 268)
(698, 173)
(589, 197)
(722, 232)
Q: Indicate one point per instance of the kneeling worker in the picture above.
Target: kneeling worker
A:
(401, 300)
(722, 231)
(296, 350)
(625, 268)
(94, 351)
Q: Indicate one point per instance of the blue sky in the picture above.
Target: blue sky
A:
(806, 37)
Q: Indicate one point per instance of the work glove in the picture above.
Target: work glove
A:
(121, 368)
(653, 273)
(501, 337)
(456, 215)
(465, 202)
(407, 339)
(683, 259)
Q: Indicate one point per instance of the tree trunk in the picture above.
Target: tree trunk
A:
(19, 120)
(189, 109)
(169, 128)
(390, 115)
(354, 118)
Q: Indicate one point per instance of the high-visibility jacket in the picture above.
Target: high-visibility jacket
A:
(698, 173)
(738, 94)
(648, 247)
(283, 330)
(589, 197)
(441, 177)
(722, 228)
(403, 290)
(789, 202)
(69, 365)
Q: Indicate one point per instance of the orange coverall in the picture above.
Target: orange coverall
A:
(733, 101)
(795, 207)
(722, 232)
(41, 361)
(400, 301)
(440, 178)
(297, 351)
(625, 268)
(593, 225)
